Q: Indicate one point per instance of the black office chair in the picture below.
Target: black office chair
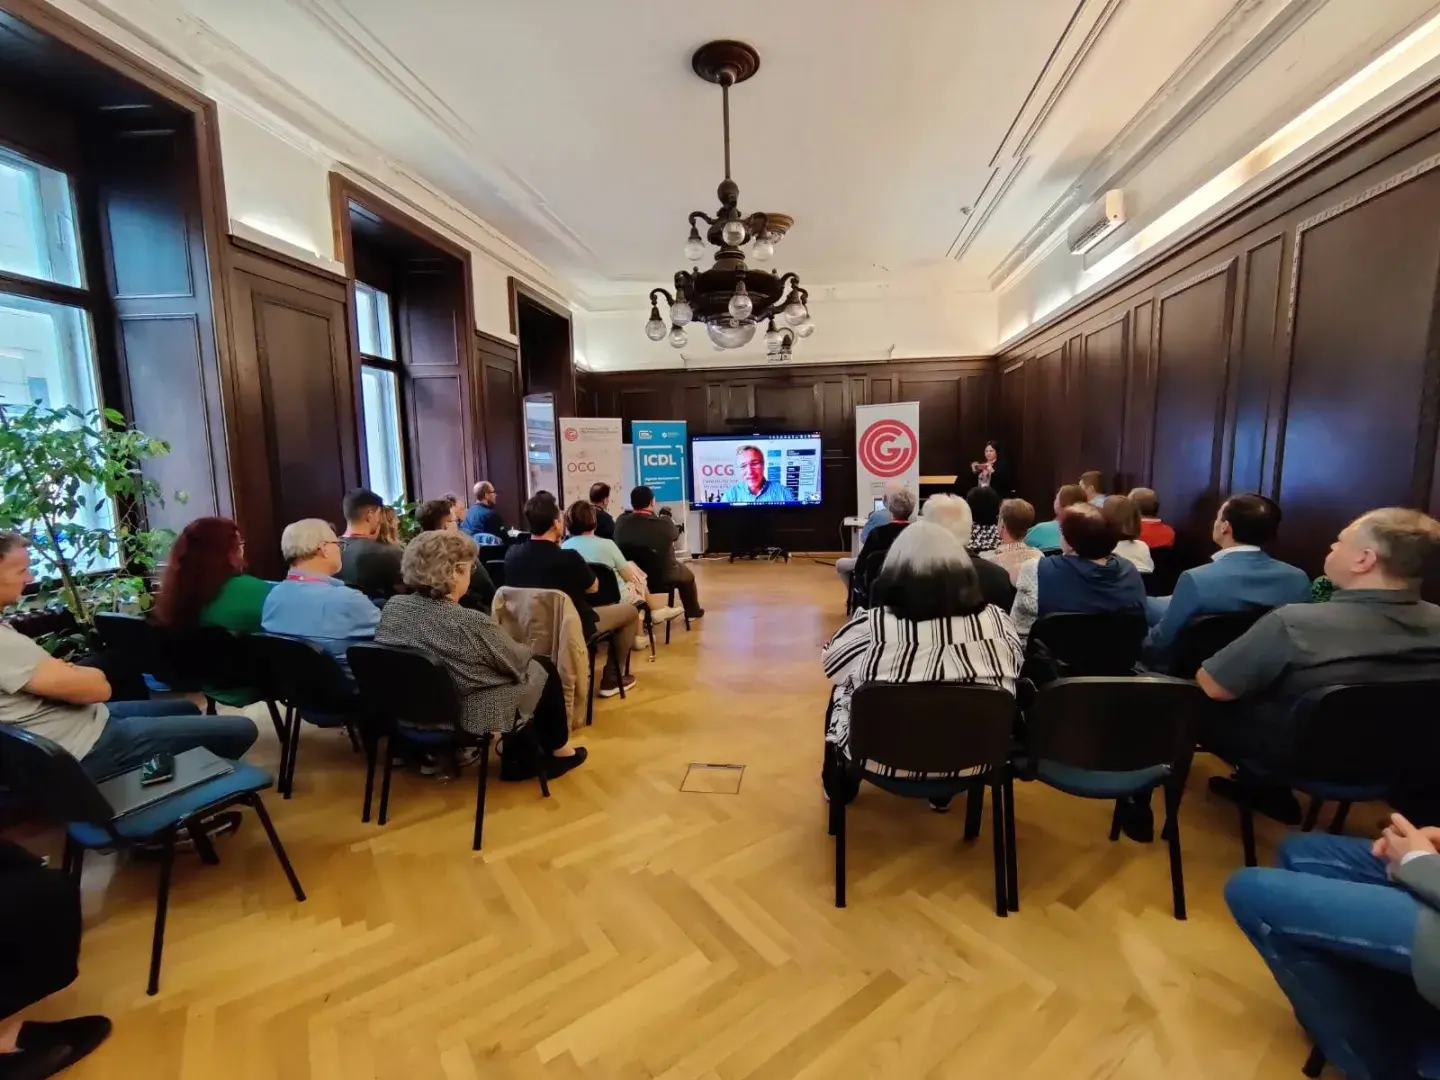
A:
(1161, 580)
(209, 657)
(657, 581)
(1204, 636)
(929, 728)
(1111, 738)
(135, 645)
(1345, 740)
(862, 579)
(1071, 644)
(409, 695)
(53, 786)
(608, 586)
(496, 569)
(312, 686)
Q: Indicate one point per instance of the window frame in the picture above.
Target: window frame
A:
(396, 366)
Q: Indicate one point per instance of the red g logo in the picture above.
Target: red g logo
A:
(571, 434)
(888, 448)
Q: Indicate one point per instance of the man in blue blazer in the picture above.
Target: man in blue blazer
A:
(1239, 577)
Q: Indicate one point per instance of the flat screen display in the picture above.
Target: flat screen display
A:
(774, 469)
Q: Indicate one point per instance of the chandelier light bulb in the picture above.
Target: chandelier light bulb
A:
(681, 312)
(733, 233)
(655, 329)
(764, 249)
(740, 304)
(795, 313)
(804, 328)
(678, 337)
(774, 338)
(694, 247)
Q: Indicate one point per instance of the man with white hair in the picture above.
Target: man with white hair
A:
(900, 503)
(312, 603)
(952, 513)
(879, 516)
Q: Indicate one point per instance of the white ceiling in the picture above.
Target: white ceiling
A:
(578, 129)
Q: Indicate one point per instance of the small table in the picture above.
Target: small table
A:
(854, 524)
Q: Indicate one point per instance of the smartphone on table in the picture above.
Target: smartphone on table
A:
(157, 770)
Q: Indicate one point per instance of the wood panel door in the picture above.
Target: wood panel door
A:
(504, 431)
(297, 431)
(435, 348)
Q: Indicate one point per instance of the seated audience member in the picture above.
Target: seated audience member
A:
(388, 529)
(541, 563)
(435, 515)
(1016, 517)
(984, 519)
(366, 563)
(900, 503)
(501, 684)
(1374, 629)
(845, 567)
(1090, 483)
(482, 517)
(1046, 535)
(584, 536)
(952, 513)
(1154, 532)
(205, 584)
(1238, 577)
(312, 603)
(1124, 518)
(65, 703)
(457, 508)
(39, 955)
(1351, 931)
(930, 623)
(600, 502)
(1087, 578)
(643, 527)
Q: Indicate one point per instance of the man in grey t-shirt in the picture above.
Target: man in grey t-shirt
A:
(1374, 629)
(365, 563)
(66, 703)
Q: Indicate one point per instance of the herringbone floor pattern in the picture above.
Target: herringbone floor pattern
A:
(622, 929)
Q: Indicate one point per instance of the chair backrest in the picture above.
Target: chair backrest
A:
(208, 656)
(1368, 733)
(931, 727)
(1089, 643)
(651, 564)
(300, 673)
(1161, 580)
(49, 781)
(140, 646)
(496, 569)
(407, 686)
(862, 580)
(1205, 635)
(1114, 723)
(608, 591)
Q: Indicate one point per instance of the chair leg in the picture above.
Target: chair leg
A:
(291, 751)
(162, 907)
(1247, 833)
(542, 762)
(385, 780)
(354, 739)
(650, 632)
(480, 791)
(837, 829)
(210, 709)
(1312, 814)
(279, 724)
(372, 751)
(1314, 1064)
(997, 824)
(590, 701)
(1115, 821)
(73, 861)
(1012, 860)
(1173, 793)
(203, 845)
(279, 848)
(1337, 824)
(974, 807)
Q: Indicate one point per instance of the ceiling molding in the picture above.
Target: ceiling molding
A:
(1249, 31)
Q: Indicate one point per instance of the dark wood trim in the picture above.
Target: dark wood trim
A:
(51, 291)
(344, 191)
(493, 341)
(289, 260)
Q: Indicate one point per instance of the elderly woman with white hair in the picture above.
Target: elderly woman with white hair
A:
(953, 514)
(929, 623)
(312, 603)
(502, 684)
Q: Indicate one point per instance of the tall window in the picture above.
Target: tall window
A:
(380, 393)
(47, 352)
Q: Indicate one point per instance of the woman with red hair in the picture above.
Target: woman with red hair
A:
(205, 583)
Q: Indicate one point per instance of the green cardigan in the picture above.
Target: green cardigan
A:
(237, 608)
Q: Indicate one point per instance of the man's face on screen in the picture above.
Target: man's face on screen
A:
(751, 464)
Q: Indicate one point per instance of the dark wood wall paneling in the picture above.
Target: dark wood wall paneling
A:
(546, 346)
(504, 422)
(1294, 349)
(955, 414)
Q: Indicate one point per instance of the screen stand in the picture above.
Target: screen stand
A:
(761, 546)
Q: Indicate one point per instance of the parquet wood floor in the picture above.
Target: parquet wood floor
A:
(623, 929)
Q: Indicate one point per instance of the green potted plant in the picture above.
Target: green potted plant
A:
(71, 482)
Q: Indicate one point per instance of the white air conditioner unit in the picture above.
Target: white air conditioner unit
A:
(1098, 222)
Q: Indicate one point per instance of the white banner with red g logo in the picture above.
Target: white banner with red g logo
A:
(887, 447)
(590, 451)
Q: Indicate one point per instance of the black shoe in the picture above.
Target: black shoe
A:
(1137, 820)
(1278, 803)
(940, 806)
(559, 766)
(45, 1049)
(693, 615)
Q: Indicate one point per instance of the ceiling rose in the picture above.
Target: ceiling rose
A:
(730, 298)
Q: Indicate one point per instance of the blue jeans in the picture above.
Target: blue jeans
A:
(1337, 937)
(138, 730)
